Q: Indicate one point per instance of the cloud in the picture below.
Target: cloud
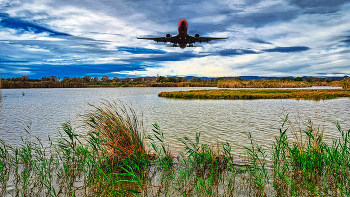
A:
(288, 49)
(26, 26)
(257, 40)
(62, 70)
(229, 52)
(346, 40)
(168, 57)
(320, 6)
(70, 37)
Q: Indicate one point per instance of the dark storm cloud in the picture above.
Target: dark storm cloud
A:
(26, 26)
(139, 50)
(288, 49)
(230, 52)
(259, 41)
(347, 40)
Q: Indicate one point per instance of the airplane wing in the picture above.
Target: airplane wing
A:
(205, 39)
(159, 39)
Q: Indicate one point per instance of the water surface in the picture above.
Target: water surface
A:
(217, 120)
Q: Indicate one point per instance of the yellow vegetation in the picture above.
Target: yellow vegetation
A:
(258, 94)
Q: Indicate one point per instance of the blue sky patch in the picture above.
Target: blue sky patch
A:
(228, 52)
(288, 49)
(139, 50)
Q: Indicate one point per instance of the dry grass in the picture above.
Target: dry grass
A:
(345, 84)
(233, 83)
(117, 129)
(258, 94)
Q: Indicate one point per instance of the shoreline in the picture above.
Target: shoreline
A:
(278, 88)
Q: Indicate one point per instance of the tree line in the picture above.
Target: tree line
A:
(159, 81)
(105, 81)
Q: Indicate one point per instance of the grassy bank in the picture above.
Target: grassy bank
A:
(240, 83)
(234, 83)
(113, 157)
(258, 94)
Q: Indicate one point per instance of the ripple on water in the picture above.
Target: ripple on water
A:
(217, 120)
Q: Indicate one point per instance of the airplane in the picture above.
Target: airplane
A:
(182, 39)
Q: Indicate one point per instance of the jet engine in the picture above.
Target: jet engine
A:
(168, 38)
(197, 38)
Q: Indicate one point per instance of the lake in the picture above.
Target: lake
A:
(44, 110)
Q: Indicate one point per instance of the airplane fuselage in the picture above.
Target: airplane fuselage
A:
(182, 33)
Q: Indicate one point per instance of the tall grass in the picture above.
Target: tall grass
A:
(112, 158)
(116, 129)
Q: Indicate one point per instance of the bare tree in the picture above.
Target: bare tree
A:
(127, 79)
(95, 80)
(87, 79)
(116, 79)
(105, 79)
(25, 78)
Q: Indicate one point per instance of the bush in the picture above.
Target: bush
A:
(298, 79)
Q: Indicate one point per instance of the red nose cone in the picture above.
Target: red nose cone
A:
(182, 22)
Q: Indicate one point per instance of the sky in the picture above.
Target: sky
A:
(77, 38)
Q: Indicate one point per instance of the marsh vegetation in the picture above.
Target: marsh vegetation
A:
(258, 94)
(284, 82)
(109, 154)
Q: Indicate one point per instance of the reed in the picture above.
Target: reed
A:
(258, 94)
(117, 129)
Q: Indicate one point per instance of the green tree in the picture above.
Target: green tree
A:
(298, 79)
(161, 79)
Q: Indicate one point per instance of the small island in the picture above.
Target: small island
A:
(259, 94)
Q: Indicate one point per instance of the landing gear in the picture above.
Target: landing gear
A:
(190, 45)
(174, 45)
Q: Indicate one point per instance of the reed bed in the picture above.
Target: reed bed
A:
(113, 159)
(258, 94)
(261, 83)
